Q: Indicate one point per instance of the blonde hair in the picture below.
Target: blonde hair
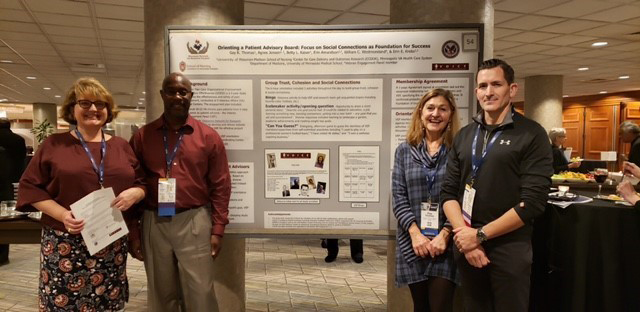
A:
(87, 85)
(555, 133)
(416, 131)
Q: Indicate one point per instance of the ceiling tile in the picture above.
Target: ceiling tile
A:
(112, 24)
(62, 40)
(263, 11)
(502, 32)
(569, 40)
(119, 12)
(597, 53)
(19, 27)
(526, 6)
(123, 44)
(571, 26)
(503, 16)
(577, 8)
(532, 48)
(356, 18)
(8, 35)
(116, 57)
(59, 6)
(380, 7)
(22, 46)
(630, 56)
(122, 35)
(307, 15)
(610, 30)
(616, 14)
(78, 48)
(69, 31)
(632, 46)
(530, 36)
(255, 21)
(122, 51)
(340, 5)
(134, 3)
(501, 44)
(531, 22)
(633, 21)
(63, 20)
(10, 4)
(15, 15)
(280, 2)
(562, 51)
(71, 56)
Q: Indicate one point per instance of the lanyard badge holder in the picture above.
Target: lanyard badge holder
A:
(476, 163)
(167, 186)
(429, 211)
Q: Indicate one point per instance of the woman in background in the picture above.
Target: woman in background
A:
(66, 167)
(424, 258)
(560, 163)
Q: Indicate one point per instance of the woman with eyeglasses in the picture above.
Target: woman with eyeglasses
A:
(558, 136)
(66, 167)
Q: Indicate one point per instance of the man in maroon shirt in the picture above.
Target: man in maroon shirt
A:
(186, 208)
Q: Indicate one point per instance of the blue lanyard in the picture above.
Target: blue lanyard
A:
(475, 162)
(431, 178)
(103, 152)
(170, 157)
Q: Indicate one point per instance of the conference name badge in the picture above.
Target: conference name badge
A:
(429, 219)
(467, 203)
(166, 197)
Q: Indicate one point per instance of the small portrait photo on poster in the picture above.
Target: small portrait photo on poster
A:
(285, 191)
(320, 160)
(295, 183)
(311, 181)
(322, 186)
(304, 190)
(271, 160)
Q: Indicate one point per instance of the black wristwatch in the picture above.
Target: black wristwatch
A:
(481, 236)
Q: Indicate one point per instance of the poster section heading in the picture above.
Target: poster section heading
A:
(312, 110)
(292, 174)
(241, 203)
(359, 173)
(287, 52)
(227, 106)
(322, 220)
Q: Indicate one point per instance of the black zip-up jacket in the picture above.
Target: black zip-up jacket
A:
(517, 168)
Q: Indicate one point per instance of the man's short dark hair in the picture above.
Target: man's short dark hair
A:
(5, 123)
(509, 74)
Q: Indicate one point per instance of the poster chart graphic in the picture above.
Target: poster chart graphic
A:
(321, 220)
(321, 110)
(227, 106)
(295, 174)
(241, 203)
(359, 173)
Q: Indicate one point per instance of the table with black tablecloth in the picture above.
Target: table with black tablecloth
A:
(587, 257)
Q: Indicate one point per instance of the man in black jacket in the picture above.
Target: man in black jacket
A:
(498, 178)
(14, 153)
(630, 133)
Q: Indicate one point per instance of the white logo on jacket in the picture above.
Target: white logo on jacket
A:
(505, 142)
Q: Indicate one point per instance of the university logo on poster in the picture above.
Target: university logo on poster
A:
(197, 47)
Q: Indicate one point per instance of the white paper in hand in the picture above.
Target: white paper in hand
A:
(103, 224)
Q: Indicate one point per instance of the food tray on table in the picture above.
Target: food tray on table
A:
(572, 177)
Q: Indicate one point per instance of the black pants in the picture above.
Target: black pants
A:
(503, 285)
(355, 244)
(4, 253)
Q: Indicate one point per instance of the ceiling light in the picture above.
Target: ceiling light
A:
(46, 88)
(565, 96)
(139, 103)
(624, 77)
(3, 100)
(31, 77)
(58, 96)
(583, 68)
(603, 92)
(141, 99)
(6, 61)
(599, 44)
(144, 92)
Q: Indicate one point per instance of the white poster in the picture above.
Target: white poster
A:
(325, 220)
(241, 203)
(321, 110)
(359, 173)
(296, 174)
(407, 92)
(227, 106)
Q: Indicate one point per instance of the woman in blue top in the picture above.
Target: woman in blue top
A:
(424, 259)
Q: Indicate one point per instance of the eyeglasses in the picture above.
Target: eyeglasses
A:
(86, 104)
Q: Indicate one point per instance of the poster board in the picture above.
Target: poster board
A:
(311, 116)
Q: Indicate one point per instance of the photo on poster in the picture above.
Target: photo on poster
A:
(311, 181)
(295, 183)
(320, 160)
(322, 186)
(285, 191)
(304, 190)
(271, 160)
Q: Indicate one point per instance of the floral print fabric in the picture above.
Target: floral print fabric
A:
(73, 280)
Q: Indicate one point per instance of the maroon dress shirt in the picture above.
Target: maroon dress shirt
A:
(200, 167)
(61, 170)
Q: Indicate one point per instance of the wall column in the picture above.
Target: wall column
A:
(229, 266)
(543, 100)
(434, 12)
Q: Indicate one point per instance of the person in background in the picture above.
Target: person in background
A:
(630, 133)
(357, 253)
(66, 167)
(560, 163)
(182, 238)
(424, 256)
(14, 153)
(626, 189)
(497, 182)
